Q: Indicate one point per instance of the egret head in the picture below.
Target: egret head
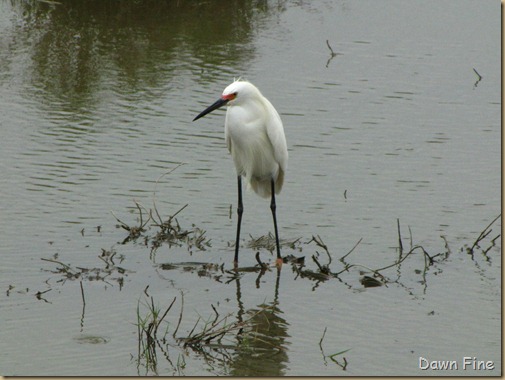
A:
(235, 93)
(239, 91)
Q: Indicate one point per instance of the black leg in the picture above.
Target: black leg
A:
(240, 210)
(273, 207)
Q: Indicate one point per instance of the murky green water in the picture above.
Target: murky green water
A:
(96, 103)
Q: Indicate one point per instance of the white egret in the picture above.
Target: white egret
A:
(255, 138)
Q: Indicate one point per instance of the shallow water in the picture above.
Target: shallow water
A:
(96, 105)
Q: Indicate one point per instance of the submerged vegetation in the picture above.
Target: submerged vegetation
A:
(227, 341)
(224, 340)
(216, 338)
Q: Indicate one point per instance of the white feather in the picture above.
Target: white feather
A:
(255, 138)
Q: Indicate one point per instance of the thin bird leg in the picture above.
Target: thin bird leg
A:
(240, 210)
(273, 207)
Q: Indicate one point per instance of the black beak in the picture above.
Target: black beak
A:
(221, 102)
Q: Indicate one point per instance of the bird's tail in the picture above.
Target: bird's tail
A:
(263, 186)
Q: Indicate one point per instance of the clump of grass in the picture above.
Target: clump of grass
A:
(110, 272)
(134, 232)
(370, 277)
(168, 231)
(213, 331)
(482, 236)
(154, 335)
(147, 329)
(267, 242)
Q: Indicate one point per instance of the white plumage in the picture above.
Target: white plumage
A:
(255, 138)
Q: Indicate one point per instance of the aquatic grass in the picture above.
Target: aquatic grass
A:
(485, 232)
(267, 242)
(134, 232)
(218, 339)
(332, 357)
(213, 331)
(109, 273)
(167, 231)
(147, 330)
(206, 337)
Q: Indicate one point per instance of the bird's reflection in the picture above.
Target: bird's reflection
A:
(262, 349)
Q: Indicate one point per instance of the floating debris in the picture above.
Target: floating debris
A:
(370, 282)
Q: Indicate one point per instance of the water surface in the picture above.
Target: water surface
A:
(97, 99)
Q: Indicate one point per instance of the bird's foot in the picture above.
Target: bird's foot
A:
(278, 262)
